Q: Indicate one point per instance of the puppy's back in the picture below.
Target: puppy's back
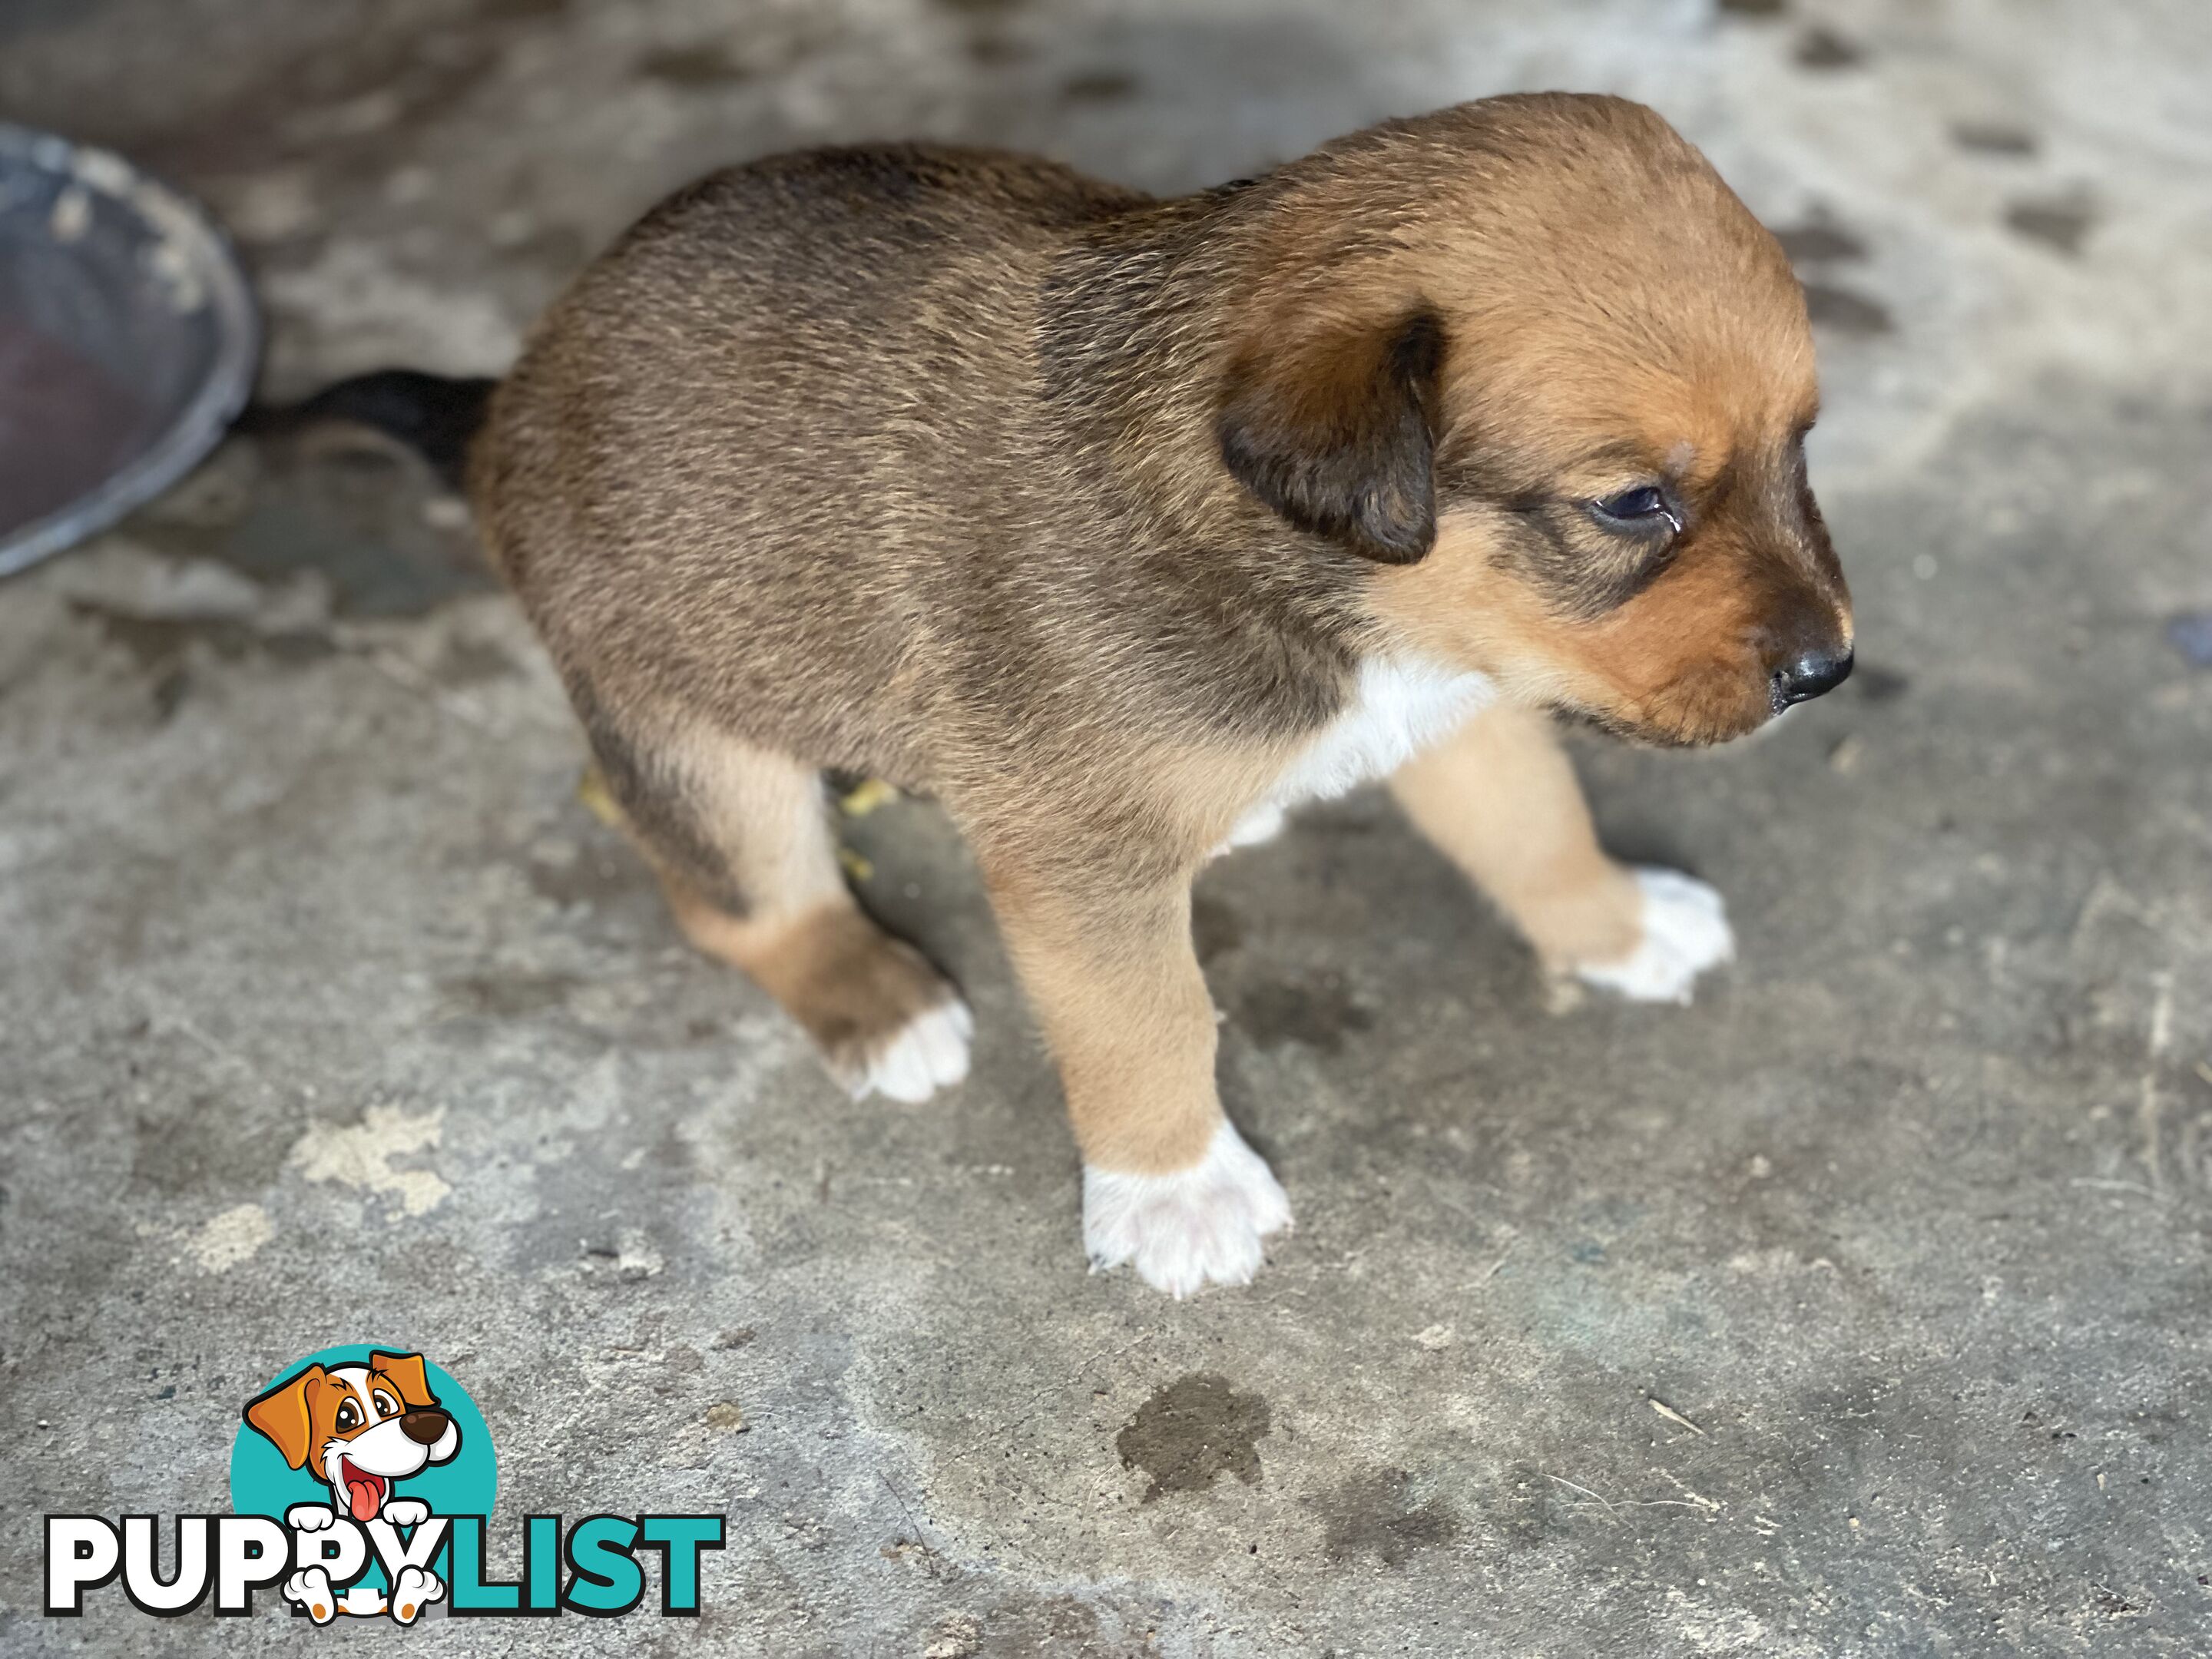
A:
(759, 433)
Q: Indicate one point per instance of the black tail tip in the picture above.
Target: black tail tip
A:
(436, 415)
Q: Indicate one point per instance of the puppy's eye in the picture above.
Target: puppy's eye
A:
(349, 1415)
(385, 1405)
(1640, 511)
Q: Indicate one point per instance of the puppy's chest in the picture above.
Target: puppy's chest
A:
(1399, 707)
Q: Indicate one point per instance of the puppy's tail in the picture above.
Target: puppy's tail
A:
(436, 415)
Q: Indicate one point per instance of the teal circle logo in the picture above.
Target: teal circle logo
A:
(356, 1429)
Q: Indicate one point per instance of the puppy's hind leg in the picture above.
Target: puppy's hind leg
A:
(741, 839)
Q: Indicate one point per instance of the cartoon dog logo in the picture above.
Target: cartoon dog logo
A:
(364, 1428)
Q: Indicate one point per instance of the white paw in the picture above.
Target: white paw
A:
(927, 1053)
(412, 1591)
(1183, 1231)
(310, 1587)
(406, 1512)
(1262, 823)
(310, 1517)
(1686, 932)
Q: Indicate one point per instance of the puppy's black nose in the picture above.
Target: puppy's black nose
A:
(1809, 677)
(423, 1426)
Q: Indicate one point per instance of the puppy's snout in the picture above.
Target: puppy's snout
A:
(1809, 675)
(424, 1425)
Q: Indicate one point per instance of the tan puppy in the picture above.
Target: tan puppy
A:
(1120, 526)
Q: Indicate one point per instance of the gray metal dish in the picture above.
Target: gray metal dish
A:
(128, 339)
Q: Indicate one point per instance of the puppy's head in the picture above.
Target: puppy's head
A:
(362, 1427)
(1533, 358)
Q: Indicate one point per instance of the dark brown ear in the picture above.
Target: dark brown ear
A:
(1334, 431)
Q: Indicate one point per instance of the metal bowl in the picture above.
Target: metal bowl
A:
(128, 339)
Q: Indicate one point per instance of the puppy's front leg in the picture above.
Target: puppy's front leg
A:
(1499, 798)
(1168, 1185)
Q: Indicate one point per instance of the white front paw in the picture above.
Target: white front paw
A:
(1686, 932)
(412, 1591)
(1183, 1231)
(310, 1517)
(406, 1512)
(310, 1588)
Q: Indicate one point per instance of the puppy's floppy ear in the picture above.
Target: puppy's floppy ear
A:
(284, 1413)
(406, 1370)
(1332, 427)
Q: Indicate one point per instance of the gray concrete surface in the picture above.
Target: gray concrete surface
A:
(328, 1013)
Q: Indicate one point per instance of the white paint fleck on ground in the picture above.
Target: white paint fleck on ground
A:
(361, 1155)
(230, 1238)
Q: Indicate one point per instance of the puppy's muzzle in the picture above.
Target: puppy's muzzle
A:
(1806, 678)
(425, 1425)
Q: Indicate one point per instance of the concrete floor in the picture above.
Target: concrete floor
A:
(331, 1015)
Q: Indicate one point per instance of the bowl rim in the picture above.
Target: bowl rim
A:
(200, 425)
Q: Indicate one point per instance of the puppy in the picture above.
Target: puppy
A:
(362, 1428)
(1123, 525)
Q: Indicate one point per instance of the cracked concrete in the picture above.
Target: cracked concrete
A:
(1860, 1309)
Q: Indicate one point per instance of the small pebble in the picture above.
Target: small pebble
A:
(1825, 49)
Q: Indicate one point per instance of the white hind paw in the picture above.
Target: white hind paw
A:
(928, 1053)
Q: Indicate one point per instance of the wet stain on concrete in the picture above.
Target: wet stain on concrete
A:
(1824, 49)
(1193, 1431)
(1056, 1624)
(558, 248)
(1374, 1514)
(1752, 8)
(1994, 139)
(344, 509)
(2060, 223)
(1818, 241)
(170, 692)
(996, 50)
(468, 662)
(596, 875)
(1215, 926)
(1317, 1011)
(1519, 1508)
(156, 643)
(160, 646)
(1098, 86)
(339, 108)
(516, 11)
(509, 996)
(1846, 311)
(707, 65)
(192, 1145)
(355, 517)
